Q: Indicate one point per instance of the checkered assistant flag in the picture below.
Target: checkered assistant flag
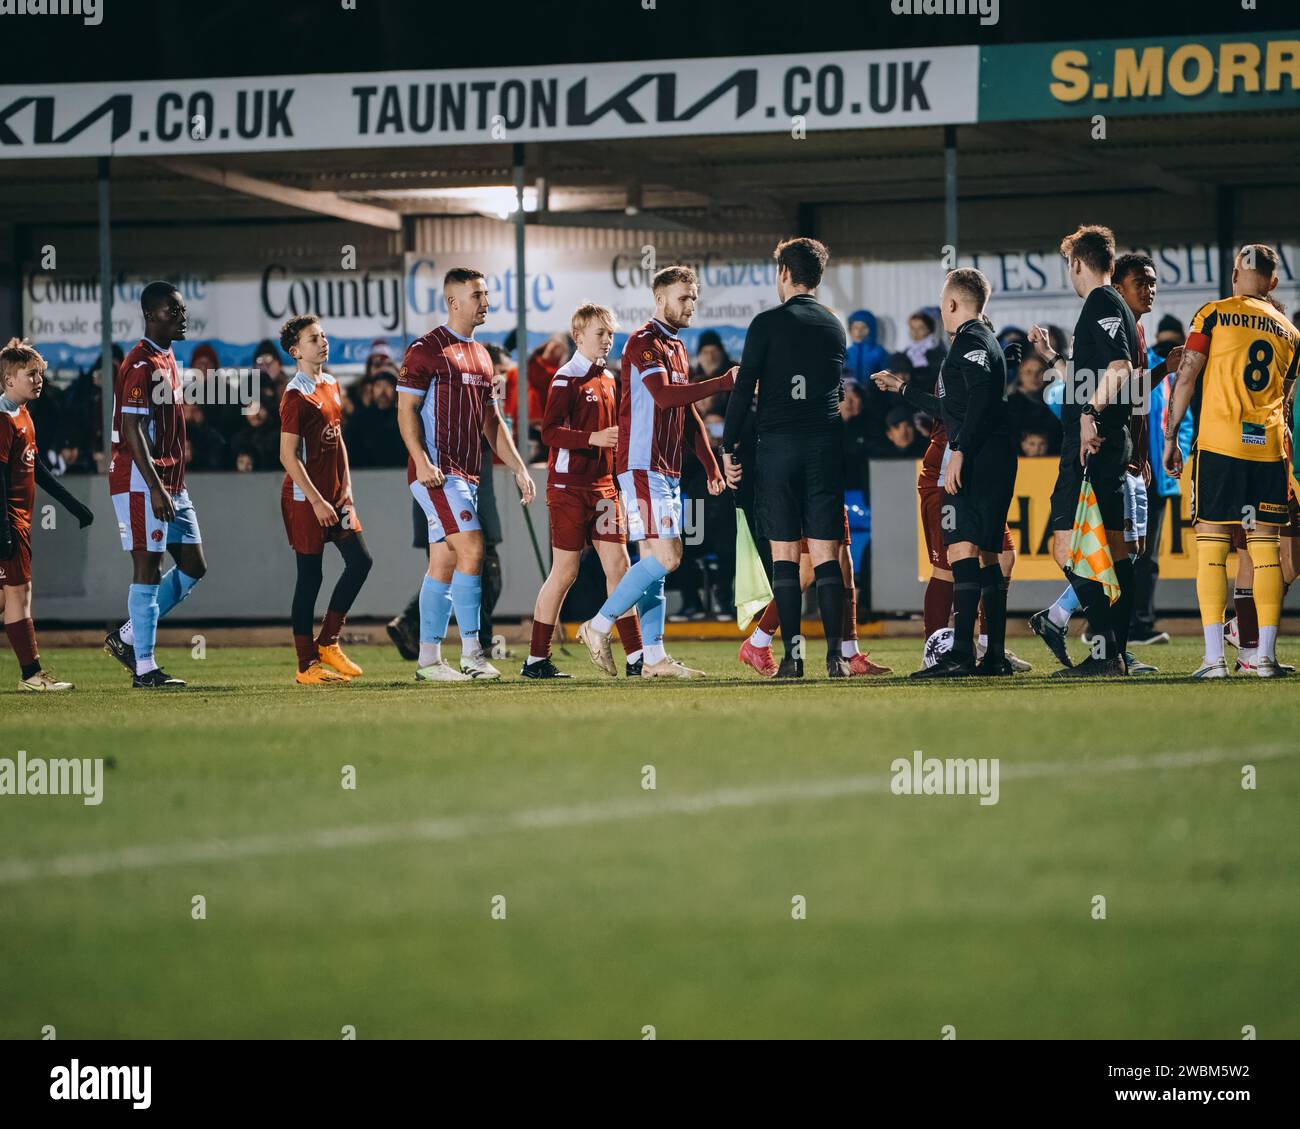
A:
(1089, 551)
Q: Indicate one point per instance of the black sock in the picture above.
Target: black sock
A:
(1095, 604)
(830, 602)
(1123, 609)
(995, 610)
(305, 593)
(965, 606)
(356, 567)
(789, 603)
(29, 670)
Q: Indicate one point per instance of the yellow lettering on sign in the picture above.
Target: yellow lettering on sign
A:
(1070, 69)
(1179, 83)
(1239, 61)
(1283, 60)
(1139, 77)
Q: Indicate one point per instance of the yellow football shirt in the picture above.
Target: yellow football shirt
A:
(1251, 351)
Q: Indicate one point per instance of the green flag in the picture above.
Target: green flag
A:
(753, 592)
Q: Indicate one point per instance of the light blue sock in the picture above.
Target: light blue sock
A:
(466, 598)
(652, 607)
(175, 586)
(142, 604)
(435, 609)
(1067, 603)
(636, 582)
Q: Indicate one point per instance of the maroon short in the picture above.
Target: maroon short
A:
(17, 570)
(583, 515)
(848, 539)
(306, 534)
(932, 503)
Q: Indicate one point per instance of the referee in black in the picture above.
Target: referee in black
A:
(794, 355)
(979, 475)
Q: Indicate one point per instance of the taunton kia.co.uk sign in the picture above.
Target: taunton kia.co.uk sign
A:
(383, 109)
(763, 94)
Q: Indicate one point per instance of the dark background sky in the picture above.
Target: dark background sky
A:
(184, 38)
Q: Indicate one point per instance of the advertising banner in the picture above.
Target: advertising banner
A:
(1031, 511)
(580, 102)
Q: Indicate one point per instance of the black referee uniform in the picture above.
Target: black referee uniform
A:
(1105, 333)
(972, 394)
(794, 356)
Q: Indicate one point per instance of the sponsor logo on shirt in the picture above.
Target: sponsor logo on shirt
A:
(331, 433)
(1254, 435)
(1110, 325)
(475, 379)
(979, 357)
(29, 456)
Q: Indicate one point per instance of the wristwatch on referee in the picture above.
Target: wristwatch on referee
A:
(1089, 410)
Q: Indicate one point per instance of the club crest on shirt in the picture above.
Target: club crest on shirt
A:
(1110, 325)
(647, 356)
(465, 515)
(979, 357)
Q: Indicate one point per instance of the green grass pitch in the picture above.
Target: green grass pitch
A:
(627, 908)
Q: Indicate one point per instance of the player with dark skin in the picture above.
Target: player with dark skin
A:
(163, 325)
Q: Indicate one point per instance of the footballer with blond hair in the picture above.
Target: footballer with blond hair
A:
(657, 414)
(22, 378)
(581, 429)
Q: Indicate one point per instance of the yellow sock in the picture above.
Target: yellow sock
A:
(1264, 555)
(1211, 576)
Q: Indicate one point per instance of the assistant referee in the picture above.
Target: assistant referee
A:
(794, 356)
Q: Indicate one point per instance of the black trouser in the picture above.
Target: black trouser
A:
(1146, 568)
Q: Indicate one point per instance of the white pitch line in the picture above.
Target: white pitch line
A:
(540, 819)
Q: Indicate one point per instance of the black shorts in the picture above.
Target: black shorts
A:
(1106, 470)
(978, 511)
(1229, 491)
(799, 487)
